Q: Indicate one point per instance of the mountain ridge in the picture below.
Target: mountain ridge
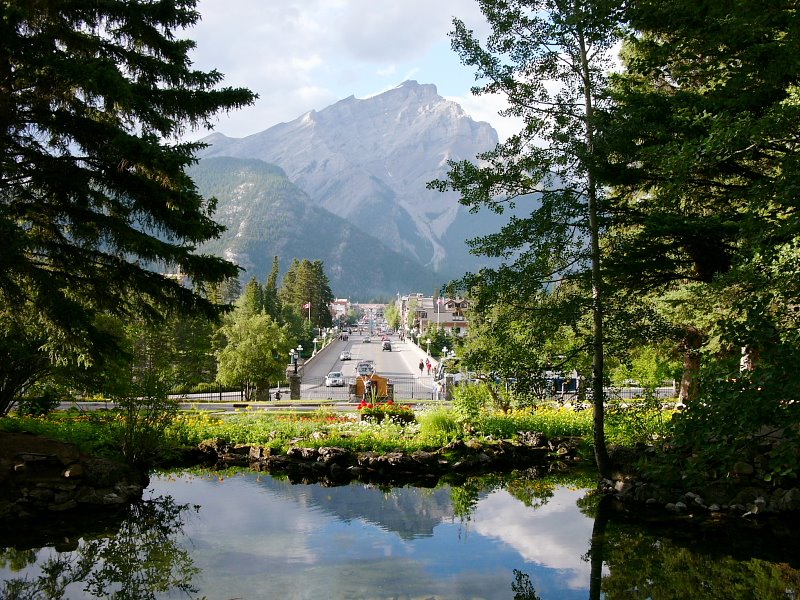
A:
(369, 160)
(267, 215)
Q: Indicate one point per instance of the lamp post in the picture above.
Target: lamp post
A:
(315, 340)
(293, 359)
(428, 341)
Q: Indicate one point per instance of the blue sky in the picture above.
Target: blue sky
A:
(300, 55)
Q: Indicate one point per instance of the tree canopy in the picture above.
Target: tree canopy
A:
(550, 59)
(96, 210)
(306, 290)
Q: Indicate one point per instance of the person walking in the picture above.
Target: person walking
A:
(428, 365)
(421, 367)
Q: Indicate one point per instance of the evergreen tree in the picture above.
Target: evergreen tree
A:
(94, 201)
(550, 58)
(702, 142)
(271, 301)
(306, 282)
(251, 302)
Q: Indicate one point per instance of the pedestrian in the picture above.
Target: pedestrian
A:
(277, 394)
(428, 365)
(421, 367)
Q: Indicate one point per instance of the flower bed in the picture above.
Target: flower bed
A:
(378, 411)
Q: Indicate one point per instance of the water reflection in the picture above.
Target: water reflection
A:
(140, 560)
(253, 536)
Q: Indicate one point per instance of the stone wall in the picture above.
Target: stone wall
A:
(40, 476)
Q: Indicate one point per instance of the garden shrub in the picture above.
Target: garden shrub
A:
(739, 417)
(469, 401)
(40, 402)
(439, 425)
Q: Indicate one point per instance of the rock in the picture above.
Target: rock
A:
(785, 500)
(331, 455)
(622, 487)
(534, 439)
(39, 476)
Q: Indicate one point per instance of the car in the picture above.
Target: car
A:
(387, 345)
(334, 379)
(367, 340)
(345, 355)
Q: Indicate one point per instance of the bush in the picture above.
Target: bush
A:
(753, 414)
(469, 401)
(439, 425)
(39, 404)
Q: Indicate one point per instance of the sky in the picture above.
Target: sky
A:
(302, 55)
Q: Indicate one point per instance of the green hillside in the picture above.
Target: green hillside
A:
(267, 215)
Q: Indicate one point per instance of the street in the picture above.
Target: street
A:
(400, 366)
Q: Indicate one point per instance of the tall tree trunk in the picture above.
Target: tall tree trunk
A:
(690, 346)
(598, 393)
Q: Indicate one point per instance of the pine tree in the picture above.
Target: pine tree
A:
(95, 205)
(251, 302)
(702, 142)
(271, 301)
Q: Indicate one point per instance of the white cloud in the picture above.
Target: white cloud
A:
(299, 55)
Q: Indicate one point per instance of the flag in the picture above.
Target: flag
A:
(307, 305)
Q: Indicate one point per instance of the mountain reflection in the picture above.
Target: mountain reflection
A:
(408, 512)
(139, 560)
(248, 535)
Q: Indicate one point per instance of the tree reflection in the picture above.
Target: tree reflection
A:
(644, 562)
(528, 486)
(522, 587)
(142, 559)
(642, 565)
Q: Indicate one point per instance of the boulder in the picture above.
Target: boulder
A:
(40, 476)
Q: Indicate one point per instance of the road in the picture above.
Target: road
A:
(400, 366)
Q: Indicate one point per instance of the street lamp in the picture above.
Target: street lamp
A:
(428, 341)
(294, 355)
(315, 340)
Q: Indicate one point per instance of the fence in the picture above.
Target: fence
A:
(405, 388)
(211, 393)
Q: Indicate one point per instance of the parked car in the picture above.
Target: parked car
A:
(345, 355)
(387, 345)
(334, 379)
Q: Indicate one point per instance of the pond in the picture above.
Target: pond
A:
(247, 535)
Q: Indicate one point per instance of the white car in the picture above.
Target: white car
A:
(334, 379)
(367, 340)
(345, 355)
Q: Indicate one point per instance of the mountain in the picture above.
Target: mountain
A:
(368, 161)
(267, 215)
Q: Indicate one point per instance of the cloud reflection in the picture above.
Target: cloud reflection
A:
(556, 543)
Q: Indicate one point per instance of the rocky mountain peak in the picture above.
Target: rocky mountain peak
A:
(369, 160)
